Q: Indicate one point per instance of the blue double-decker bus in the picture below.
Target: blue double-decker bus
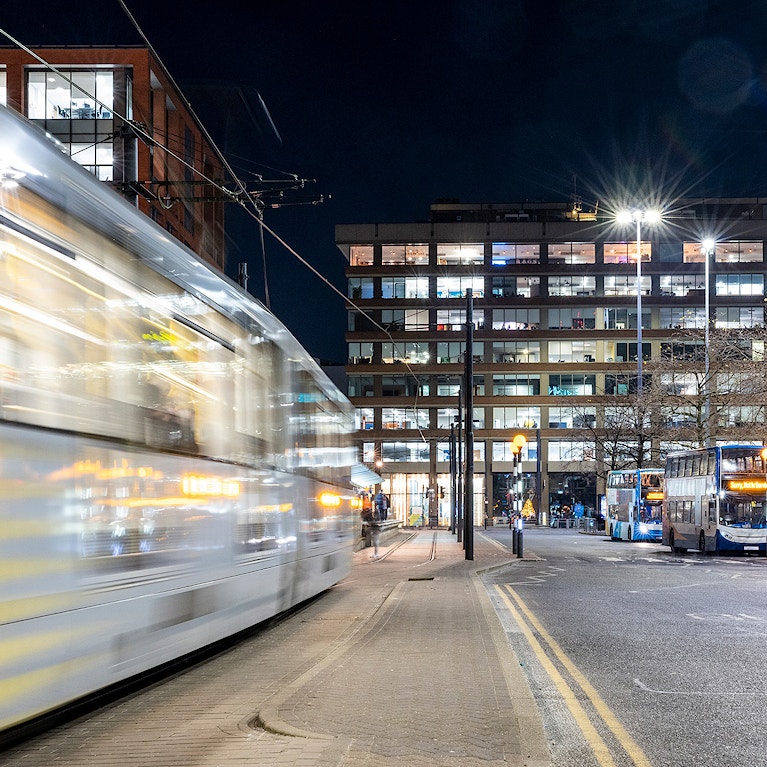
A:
(634, 501)
(714, 499)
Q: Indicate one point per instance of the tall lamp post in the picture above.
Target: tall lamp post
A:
(639, 216)
(517, 443)
(709, 249)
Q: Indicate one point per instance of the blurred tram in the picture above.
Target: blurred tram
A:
(174, 467)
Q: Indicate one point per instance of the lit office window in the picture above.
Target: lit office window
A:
(3, 88)
(572, 285)
(460, 253)
(456, 287)
(567, 450)
(515, 253)
(739, 316)
(76, 108)
(361, 255)
(626, 252)
(572, 253)
(414, 253)
(739, 284)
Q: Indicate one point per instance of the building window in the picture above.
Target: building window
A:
(450, 352)
(678, 317)
(360, 353)
(620, 385)
(515, 253)
(504, 451)
(682, 284)
(404, 287)
(460, 253)
(360, 287)
(448, 386)
(404, 418)
(572, 417)
(416, 254)
(3, 88)
(76, 108)
(455, 319)
(739, 284)
(572, 385)
(623, 351)
(689, 351)
(361, 255)
(516, 287)
(572, 253)
(572, 318)
(516, 385)
(739, 316)
(405, 452)
(572, 351)
(626, 285)
(572, 285)
(523, 417)
(405, 386)
(456, 287)
(626, 252)
(364, 418)
(447, 417)
(516, 319)
(620, 318)
(405, 319)
(406, 351)
(360, 386)
(734, 252)
(566, 450)
(516, 351)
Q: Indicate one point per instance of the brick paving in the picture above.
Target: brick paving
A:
(405, 662)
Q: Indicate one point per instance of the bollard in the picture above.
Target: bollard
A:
(519, 545)
(514, 534)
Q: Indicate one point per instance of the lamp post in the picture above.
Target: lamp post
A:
(638, 216)
(518, 442)
(709, 248)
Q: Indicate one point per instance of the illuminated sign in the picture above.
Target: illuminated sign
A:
(654, 495)
(196, 484)
(330, 500)
(753, 485)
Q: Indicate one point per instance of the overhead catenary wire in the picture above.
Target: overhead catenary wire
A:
(241, 195)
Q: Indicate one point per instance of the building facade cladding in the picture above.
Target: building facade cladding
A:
(129, 83)
(555, 318)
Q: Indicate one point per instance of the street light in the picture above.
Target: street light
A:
(709, 248)
(638, 216)
(517, 443)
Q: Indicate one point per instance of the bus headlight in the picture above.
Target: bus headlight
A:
(644, 529)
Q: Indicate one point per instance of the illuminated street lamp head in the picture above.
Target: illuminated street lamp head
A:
(519, 440)
(708, 245)
(638, 215)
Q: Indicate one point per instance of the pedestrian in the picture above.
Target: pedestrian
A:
(382, 506)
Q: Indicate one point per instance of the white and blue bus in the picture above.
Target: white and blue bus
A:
(634, 499)
(714, 499)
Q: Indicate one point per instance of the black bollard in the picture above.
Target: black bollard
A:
(519, 545)
(514, 534)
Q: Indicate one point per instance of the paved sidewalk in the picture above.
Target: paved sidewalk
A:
(405, 663)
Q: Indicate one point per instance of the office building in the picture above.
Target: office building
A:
(117, 112)
(557, 291)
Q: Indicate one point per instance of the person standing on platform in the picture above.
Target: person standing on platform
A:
(381, 506)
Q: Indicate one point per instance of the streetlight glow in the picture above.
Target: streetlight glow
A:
(639, 216)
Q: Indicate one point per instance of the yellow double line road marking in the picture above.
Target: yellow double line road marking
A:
(594, 739)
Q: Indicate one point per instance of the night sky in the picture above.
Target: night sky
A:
(390, 106)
